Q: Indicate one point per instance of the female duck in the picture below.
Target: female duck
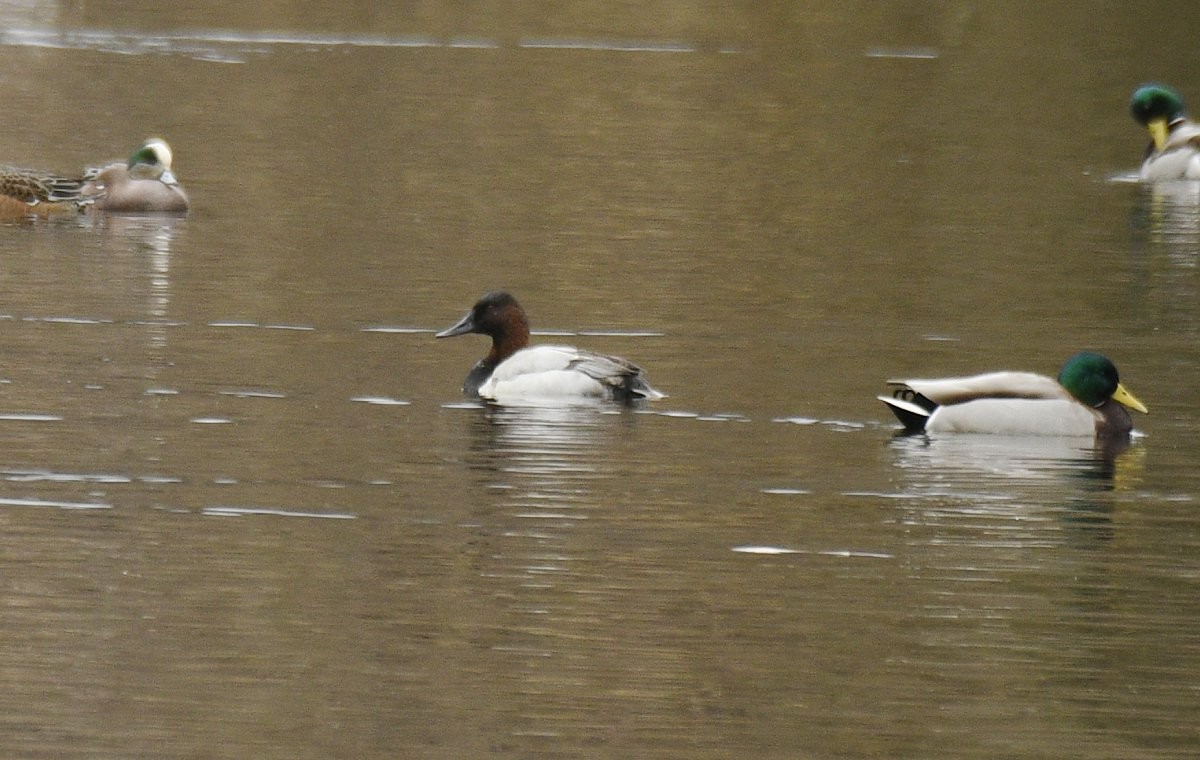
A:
(1087, 400)
(25, 193)
(144, 184)
(514, 371)
(1174, 150)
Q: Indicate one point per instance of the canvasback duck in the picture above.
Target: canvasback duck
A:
(1174, 150)
(30, 193)
(514, 371)
(1087, 399)
(143, 184)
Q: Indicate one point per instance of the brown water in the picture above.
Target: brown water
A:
(247, 514)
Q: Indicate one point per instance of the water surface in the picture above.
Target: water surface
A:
(247, 512)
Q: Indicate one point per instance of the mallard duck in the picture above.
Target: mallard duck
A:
(25, 192)
(1174, 150)
(1086, 400)
(515, 372)
(143, 184)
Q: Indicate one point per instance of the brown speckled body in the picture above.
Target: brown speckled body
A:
(25, 193)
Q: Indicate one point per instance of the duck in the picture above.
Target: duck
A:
(1174, 149)
(515, 372)
(145, 183)
(1086, 399)
(31, 193)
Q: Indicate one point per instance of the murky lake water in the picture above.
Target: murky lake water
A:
(247, 513)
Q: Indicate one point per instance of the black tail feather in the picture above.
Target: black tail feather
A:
(911, 408)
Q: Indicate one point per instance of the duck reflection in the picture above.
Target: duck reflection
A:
(1013, 547)
(552, 489)
(1028, 488)
(1167, 217)
(972, 460)
(542, 455)
(558, 553)
(145, 240)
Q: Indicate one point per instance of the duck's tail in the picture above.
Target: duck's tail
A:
(911, 408)
(634, 387)
(640, 389)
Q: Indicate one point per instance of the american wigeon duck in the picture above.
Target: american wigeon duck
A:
(143, 184)
(515, 372)
(26, 193)
(1087, 399)
(1174, 150)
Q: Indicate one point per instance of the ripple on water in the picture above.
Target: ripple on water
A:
(259, 326)
(846, 553)
(623, 46)
(221, 45)
(380, 401)
(220, 511)
(252, 394)
(679, 413)
(70, 320)
(389, 329)
(43, 503)
(797, 420)
(910, 53)
(841, 426)
(38, 476)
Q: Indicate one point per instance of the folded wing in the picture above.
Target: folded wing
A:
(959, 390)
(550, 371)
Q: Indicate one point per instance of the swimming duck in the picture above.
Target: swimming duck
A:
(514, 371)
(143, 184)
(25, 192)
(1086, 399)
(1174, 150)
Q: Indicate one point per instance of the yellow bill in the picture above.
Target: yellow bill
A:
(1158, 132)
(1125, 398)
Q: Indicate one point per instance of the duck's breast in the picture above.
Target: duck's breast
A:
(1177, 164)
(1179, 159)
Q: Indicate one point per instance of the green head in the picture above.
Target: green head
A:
(1152, 102)
(1092, 379)
(152, 161)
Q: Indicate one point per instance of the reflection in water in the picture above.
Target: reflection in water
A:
(973, 460)
(542, 458)
(153, 235)
(1165, 240)
(145, 242)
(564, 574)
(1012, 551)
(982, 491)
(561, 426)
(1167, 216)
